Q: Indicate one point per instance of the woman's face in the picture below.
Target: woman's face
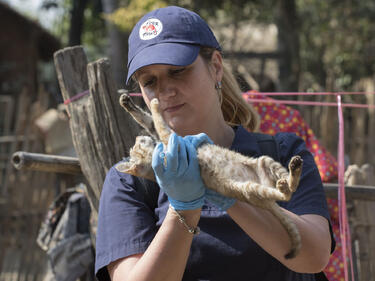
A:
(187, 96)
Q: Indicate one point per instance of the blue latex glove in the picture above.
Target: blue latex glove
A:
(180, 178)
(220, 201)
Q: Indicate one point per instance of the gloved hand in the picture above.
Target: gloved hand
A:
(180, 178)
(220, 201)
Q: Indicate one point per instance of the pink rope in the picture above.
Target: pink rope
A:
(315, 103)
(343, 217)
(308, 93)
(76, 97)
(135, 94)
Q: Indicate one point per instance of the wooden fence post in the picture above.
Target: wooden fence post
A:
(102, 132)
(363, 222)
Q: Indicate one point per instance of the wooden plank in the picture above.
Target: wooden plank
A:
(31, 192)
(102, 132)
(7, 111)
(7, 108)
(20, 138)
(5, 264)
(364, 230)
(71, 64)
(358, 151)
(358, 192)
(362, 222)
(22, 110)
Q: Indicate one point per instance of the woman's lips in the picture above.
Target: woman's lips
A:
(173, 108)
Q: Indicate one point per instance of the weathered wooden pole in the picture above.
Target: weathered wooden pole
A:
(22, 160)
(102, 132)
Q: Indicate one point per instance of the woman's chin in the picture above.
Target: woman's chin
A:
(180, 126)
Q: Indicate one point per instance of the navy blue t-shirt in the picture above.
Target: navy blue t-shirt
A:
(222, 251)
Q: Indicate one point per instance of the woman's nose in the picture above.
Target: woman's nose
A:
(166, 90)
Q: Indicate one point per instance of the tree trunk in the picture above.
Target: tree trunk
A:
(118, 47)
(76, 22)
(288, 45)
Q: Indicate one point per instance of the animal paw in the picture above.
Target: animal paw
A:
(126, 102)
(282, 186)
(124, 98)
(295, 164)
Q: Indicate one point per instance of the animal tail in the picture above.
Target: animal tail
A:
(161, 127)
(291, 229)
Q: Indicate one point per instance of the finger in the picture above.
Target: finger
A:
(191, 155)
(172, 153)
(157, 161)
(199, 139)
(183, 156)
(202, 138)
(189, 138)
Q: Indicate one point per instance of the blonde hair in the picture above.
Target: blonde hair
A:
(236, 110)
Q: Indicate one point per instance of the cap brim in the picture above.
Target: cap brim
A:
(165, 53)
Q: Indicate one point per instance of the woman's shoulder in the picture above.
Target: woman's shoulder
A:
(118, 183)
(290, 144)
(256, 143)
(288, 138)
(115, 178)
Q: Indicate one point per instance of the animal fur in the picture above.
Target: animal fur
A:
(259, 181)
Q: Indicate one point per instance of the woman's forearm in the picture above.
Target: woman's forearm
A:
(268, 233)
(165, 259)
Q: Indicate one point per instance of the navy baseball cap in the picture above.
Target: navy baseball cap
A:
(170, 35)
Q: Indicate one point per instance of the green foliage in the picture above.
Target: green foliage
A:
(228, 10)
(127, 15)
(61, 24)
(337, 38)
(94, 36)
(337, 41)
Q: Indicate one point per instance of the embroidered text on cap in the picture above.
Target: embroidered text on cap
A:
(150, 29)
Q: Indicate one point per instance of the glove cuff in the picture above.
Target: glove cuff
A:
(191, 205)
(223, 203)
(227, 204)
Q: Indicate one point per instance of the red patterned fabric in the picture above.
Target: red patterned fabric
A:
(282, 118)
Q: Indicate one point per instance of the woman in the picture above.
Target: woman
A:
(174, 56)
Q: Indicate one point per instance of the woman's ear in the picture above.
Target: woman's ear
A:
(217, 65)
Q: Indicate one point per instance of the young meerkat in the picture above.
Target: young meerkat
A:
(258, 181)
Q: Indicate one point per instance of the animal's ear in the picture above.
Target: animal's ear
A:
(127, 168)
(136, 170)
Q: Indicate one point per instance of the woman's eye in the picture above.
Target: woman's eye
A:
(177, 71)
(148, 83)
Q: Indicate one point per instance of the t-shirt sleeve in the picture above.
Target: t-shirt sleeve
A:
(126, 224)
(309, 198)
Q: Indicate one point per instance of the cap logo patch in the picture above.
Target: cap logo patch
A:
(150, 29)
